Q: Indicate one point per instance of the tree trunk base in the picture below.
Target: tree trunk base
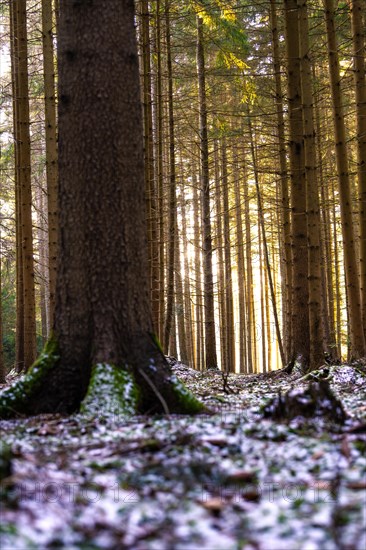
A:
(17, 400)
(112, 389)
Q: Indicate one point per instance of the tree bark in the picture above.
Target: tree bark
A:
(300, 337)
(285, 240)
(172, 193)
(103, 315)
(358, 40)
(51, 147)
(229, 301)
(356, 336)
(209, 323)
(316, 358)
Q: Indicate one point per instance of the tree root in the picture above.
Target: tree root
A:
(16, 400)
(112, 390)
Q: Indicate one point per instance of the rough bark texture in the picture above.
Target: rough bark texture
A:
(299, 308)
(312, 195)
(103, 313)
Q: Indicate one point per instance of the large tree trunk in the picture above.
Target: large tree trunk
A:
(103, 314)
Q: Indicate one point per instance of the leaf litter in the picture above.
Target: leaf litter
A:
(230, 480)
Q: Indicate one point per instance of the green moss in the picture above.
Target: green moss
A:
(157, 342)
(112, 391)
(187, 402)
(15, 400)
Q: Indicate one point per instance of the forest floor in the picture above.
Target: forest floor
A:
(231, 480)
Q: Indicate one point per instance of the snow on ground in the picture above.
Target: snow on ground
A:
(230, 480)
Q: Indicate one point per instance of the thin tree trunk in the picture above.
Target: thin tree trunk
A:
(160, 170)
(261, 287)
(356, 336)
(358, 39)
(209, 323)
(179, 304)
(2, 364)
(337, 280)
(229, 301)
(285, 240)
(312, 196)
(197, 273)
(149, 161)
(172, 191)
(25, 191)
(300, 337)
(326, 249)
(251, 340)
(51, 149)
(240, 268)
(42, 265)
(19, 331)
(220, 259)
(187, 285)
(265, 244)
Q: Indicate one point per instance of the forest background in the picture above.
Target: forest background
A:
(255, 156)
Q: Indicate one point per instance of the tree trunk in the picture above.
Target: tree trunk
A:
(251, 340)
(200, 353)
(19, 330)
(229, 301)
(220, 259)
(312, 196)
(356, 336)
(51, 147)
(103, 313)
(358, 39)
(300, 337)
(160, 170)
(179, 304)
(2, 365)
(172, 193)
(209, 324)
(24, 210)
(240, 268)
(285, 240)
(151, 195)
(187, 285)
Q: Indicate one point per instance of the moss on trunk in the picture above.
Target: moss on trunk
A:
(17, 399)
(112, 389)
